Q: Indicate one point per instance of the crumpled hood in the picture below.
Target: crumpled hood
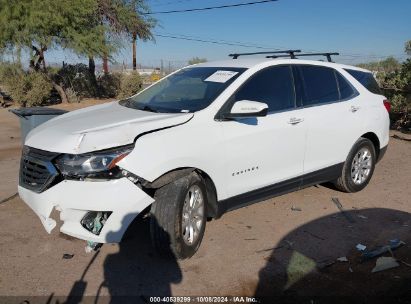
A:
(99, 127)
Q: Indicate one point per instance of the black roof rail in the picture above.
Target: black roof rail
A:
(289, 52)
(328, 55)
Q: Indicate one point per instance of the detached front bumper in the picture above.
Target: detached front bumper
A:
(74, 199)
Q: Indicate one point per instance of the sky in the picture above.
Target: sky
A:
(361, 30)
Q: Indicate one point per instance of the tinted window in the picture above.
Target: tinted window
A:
(273, 86)
(320, 85)
(346, 90)
(367, 80)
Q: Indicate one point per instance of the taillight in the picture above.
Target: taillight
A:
(387, 105)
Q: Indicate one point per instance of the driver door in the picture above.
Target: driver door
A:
(264, 151)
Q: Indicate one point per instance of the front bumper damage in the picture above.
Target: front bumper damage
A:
(74, 199)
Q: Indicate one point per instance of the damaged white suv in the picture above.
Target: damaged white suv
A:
(206, 139)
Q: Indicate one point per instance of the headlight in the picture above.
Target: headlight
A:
(91, 163)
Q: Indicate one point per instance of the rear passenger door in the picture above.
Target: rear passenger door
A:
(330, 104)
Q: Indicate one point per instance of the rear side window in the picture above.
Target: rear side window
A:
(367, 80)
(320, 85)
(273, 86)
(346, 90)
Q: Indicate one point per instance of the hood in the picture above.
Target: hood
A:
(99, 127)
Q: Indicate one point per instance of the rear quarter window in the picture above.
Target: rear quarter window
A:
(366, 79)
(346, 89)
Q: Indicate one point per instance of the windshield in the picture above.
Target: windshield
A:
(189, 90)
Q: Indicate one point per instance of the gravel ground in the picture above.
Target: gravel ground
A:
(263, 249)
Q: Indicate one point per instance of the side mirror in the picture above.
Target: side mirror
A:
(247, 108)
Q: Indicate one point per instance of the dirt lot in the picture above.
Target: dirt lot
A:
(264, 249)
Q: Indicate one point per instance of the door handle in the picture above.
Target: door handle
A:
(294, 120)
(354, 108)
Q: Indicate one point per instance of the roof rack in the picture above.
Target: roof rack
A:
(290, 53)
(328, 55)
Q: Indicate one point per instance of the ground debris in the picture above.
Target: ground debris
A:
(293, 208)
(361, 247)
(362, 217)
(9, 198)
(384, 263)
(407, 264)
(400, 137)
(325, 264)
(68, 256)
(342, 259)
(394, 244)
(314, 235)
(348, 216)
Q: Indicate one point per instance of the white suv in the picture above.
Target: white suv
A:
(207, 139)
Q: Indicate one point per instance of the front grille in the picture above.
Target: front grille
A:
(37, 172)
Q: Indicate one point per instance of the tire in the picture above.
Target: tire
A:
(171, 216)
(352, 179)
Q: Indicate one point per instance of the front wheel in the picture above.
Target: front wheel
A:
(358, 168)
(178, 216)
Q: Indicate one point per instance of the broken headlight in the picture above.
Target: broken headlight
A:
(91, 164)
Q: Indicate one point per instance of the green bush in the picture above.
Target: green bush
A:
(25, 88)
(130, 84)
(76, 80)
(109, 85)
(39, 89)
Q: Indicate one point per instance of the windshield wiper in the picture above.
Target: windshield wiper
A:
(149, 109)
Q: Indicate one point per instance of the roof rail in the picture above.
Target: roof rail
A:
(289, 52)
(328, 55)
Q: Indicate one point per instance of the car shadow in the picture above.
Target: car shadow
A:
(304, 263)
(135, 272)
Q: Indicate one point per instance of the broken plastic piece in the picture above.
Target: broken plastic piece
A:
(68, 256)
(384, 263)
(342, 259)
(361, 247)
(394, 244)
(92, 246)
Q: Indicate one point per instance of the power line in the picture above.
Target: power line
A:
(256, 46)
(210, 7)
(212, 41)
(250, 44)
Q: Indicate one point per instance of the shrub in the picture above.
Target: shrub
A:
(72, 96)
(39, 89)
(76, 79)
(109, 85)
(25, 88)
(130, 84)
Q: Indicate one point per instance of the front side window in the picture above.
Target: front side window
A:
(189, 90)
(273, 86)
(319, 85)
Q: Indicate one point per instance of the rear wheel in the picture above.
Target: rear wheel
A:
(178, 216)
(358, 168)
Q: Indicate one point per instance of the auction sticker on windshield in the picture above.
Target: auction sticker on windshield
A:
(221, 76)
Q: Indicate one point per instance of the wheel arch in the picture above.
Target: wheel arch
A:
(170, 176)
(375, 140)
